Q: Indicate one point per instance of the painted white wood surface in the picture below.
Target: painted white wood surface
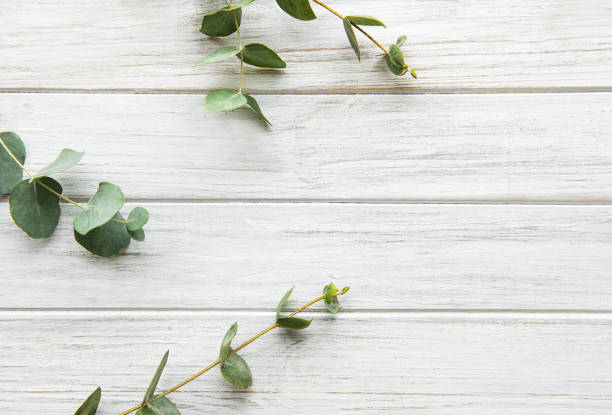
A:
(514, 147)
(454, 45)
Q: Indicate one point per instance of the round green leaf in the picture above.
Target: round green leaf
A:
(100, 209)
(220, 55)
(395, 60)
(238, 5)
(262, 56)
(255, 106)
(224, 100)
(300, 9)
(90, 406)
(35, 209)
(138, 235)
(227, 341)
(137, 218)
(161, 406)
(350, 33)
(106, 240)
(66, 159)
(10, 172)
(365, 21)
(221, 23)
(236, 371)
(293, 323)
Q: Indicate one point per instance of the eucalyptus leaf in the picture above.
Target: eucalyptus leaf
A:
(261, 56)
(365, 21)
(236, 371)
(66, 159)
(106, 240)
(395, 60)
(293, 323)
(350, 33)
(10, 172)
(225, 100)
(158, 372)
(333, 306)
(161, 406)
(227, 341)
(238, 5)
(221, 23)
(137, 218)
(401, 40)
(283, 302)
(330, 291)
(300, 9)
(220, 55)
(35, 209)
(101, 208)
(252, 102)
(90, 406)
(137, 235)
(344, 290)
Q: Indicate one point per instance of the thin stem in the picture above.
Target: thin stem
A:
(320, 3)
(60, 195)
(229, 3)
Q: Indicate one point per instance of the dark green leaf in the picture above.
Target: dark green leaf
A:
(395, 60)
(220, 55)
(293, 323)
(137, 218)
(107, 240)
(227, 341)
(236, 371)
(350, 33)
(158, 372)
(101, 208)
(66, 159)
(300, 9)
(221, 23)
(138, 235)
(262, 56)
(253, 104)
(401, 40)
(238, 5)
(90, 406)
(35, 209)
(365, 21)
(282, 302)
(10, 171)
(224, 100)
(161, 406)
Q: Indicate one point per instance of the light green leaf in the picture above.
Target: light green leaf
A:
(100, 209)
(293, 323)
(238, 5)
(220, 55)
(345, 290)
(395, 60)
(158, 372)
(66, 159)
(107, 240)
(137, 218)
(262, 56)
(255, 105)
(365, 21)
(10, 171)
(401, 40)
(90, 406)
(300, 9)
(137, 235)
(161, 406)
(350, 33)
(236, 371)
(283, 302)
(227, 341)
(330, 291)
(221, 23)
(224, 100)
(35, 209)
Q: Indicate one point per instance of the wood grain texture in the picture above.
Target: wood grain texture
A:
(515, 147)
(352, 363)
(453, 45)
(235, 255)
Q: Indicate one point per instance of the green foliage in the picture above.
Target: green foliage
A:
(10, 171)
(252, 102)
(239, 4)
(220, 55)
(233, 368)
(225, 100)
(34, 209)
(395, 59)
(331, 293)
(365, 21)
(137, 219)
(300, 9)
(221, 23)
(66, 159)
(101, 208)
(350, 33)
(262, 56)
(106, 240)
(160, 406)
(90, 406)
(292, 323)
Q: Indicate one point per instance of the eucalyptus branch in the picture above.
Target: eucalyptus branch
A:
(226, 21)
(34, 202)
(234, 368)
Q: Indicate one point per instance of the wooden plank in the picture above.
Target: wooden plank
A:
(453, 45)
(362, 363)
(514, 147)
(228, 255)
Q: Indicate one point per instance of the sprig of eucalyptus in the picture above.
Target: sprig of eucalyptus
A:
(226, 21)
(233, 367)
(34, 202)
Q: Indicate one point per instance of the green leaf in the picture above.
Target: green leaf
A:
(401, 40)
(161, 406)
(90, 406)
(138, 235)
(35, 209)
(365, 21)
(220, 55)
(221, 23)
(10, 171)
(330, 292)
(345, 290)
(227, 341)
(153, 385)
(236, 371)
(293, 323)
(300, 9)
(350, 33)
(395, 60)
(100, 209)
(333, 306)
(262, 56)
(137, 218)
(224, 100)
(253, 104)
(107, 240)
(283, 302)
(238, 5)
(66, 159)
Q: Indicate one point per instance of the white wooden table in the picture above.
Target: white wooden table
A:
(469, 210)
